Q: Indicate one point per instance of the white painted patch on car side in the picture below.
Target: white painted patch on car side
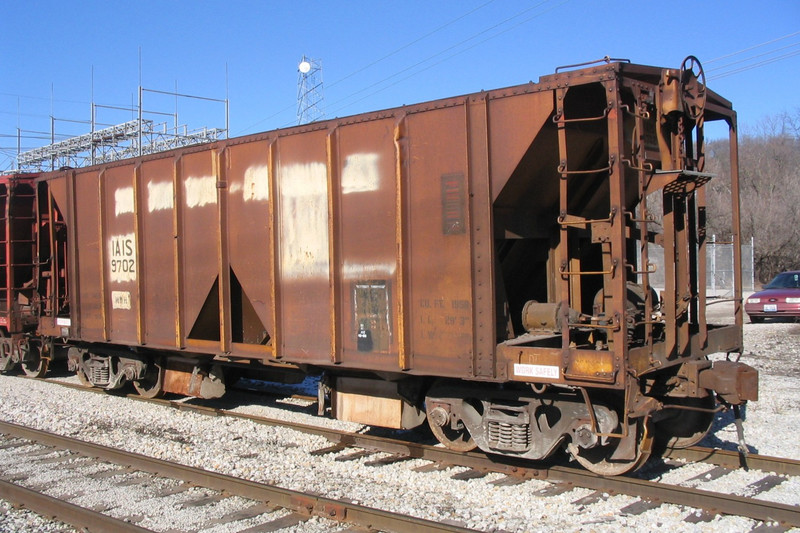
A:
(160, 196)
(256, 183)
(304, 221)
(360, 173)
(123, 201)
(200, 191)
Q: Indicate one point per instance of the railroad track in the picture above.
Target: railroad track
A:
(650, 493)
(59, 457)
(696, 454)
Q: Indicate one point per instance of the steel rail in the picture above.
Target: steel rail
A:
(74, 515)
(715, 456)
(717, 502)
(696, 498)
(303, 503)
(645, 489)
(732, 460)
(477, 460)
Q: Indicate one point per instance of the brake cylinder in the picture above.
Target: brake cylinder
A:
(545, 316)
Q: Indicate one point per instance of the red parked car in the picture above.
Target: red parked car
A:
(779, 298)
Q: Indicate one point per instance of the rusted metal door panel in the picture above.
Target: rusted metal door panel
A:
(249, 242)
(303, 252)
(156, 240)
(87, 244)
(198, 235)
(367, 239)
(514, 122)
(439, 262)
(121, 266)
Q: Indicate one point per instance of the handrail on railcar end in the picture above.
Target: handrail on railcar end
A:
(605, 59)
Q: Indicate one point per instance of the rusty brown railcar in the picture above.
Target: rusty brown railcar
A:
(20, 296)
(481, 262)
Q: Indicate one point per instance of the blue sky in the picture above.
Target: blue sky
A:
(56, 57)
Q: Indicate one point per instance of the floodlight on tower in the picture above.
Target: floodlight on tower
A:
(309, 90)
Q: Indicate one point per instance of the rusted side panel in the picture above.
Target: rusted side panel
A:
(198, 241)
(249, 242)
(156, 241)
(87, 245)
(367, 234)
(408, 239)
(514, 122)
(303, 247)
(439, 258)
(120, 268)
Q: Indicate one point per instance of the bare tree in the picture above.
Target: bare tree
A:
(769, 170)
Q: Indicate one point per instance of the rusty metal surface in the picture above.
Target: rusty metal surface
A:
(290, 499)
(18, 221)
(410, 239)
(64, 511)
(758, 509)
(526, 470)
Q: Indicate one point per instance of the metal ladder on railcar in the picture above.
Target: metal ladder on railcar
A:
(684, 225)
(18, 262)
(569, 274)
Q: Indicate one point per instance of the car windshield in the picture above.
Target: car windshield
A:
(786, 280)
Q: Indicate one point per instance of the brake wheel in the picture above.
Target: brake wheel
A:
(693, 87)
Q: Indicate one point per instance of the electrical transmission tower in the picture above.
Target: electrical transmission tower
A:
(113, 142)
(309, 90)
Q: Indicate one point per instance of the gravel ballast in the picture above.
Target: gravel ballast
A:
(282, 457)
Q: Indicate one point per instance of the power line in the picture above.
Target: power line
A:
(373, 63)
(410, 44)
(54, 100)
(506, 30)
(726, 70)
(751, 58)
(757, 65)
(751, 48)
(448, 49)
(45, 98)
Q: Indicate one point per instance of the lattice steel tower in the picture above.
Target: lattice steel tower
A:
(309, 90)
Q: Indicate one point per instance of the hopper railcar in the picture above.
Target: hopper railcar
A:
(480, 263)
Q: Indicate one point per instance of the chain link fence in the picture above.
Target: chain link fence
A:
(719, 267)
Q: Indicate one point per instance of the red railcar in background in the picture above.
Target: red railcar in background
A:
(22, 283)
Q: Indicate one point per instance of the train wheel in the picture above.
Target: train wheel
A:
(152, 385)
(33, 364)
(458, 438)
(600, 458)
(686, 427)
